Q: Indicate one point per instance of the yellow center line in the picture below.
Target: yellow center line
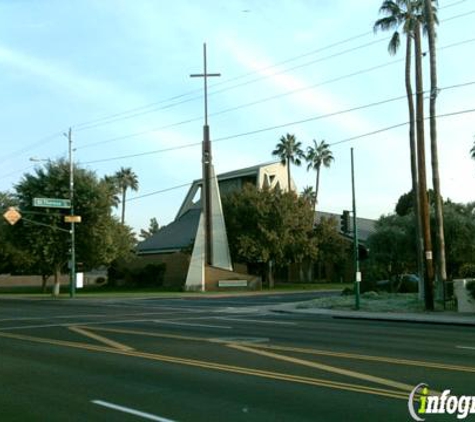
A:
(100, 339)
(148, 334)
(214, 366)
(370, 358)
(327, 368)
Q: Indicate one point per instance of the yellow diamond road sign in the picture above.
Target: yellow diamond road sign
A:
(12, 216)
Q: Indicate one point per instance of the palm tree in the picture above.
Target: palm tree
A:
(400, 14)
(317, 156)
(126, 179)
(112, 190)
(289, 151)
(309, 195)
(431, 20)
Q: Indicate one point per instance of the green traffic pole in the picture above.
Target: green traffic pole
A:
(355, 238)
(72, 281)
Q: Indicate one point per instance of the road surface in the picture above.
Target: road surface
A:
(216, 359)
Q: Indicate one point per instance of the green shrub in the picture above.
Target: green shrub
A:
(150, 275)
(471, 288)
(467, 271)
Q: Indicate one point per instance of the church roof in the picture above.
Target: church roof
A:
(174, 237)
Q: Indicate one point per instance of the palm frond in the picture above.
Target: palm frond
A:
(394, 43)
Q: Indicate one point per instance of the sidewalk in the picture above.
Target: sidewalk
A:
(447, 318)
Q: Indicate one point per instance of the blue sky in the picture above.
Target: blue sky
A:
(117, 72)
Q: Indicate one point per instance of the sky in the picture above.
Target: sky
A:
(117, 72)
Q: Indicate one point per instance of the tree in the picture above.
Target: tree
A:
(472, 151)
(400, 14)
(289, 151)
(318, 155)
(391, 246)
(12, 259)
(392, 249)
(126, 179)
(410, 14)
(270, 227)
(308, 194)
(459, 235)
(431, 20)
(152, 229)
(333, 248)
(100, 238)
(113, 190)
(405, 203)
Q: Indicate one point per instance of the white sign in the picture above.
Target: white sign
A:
(79, 280)
(358, 276)
(232, 283)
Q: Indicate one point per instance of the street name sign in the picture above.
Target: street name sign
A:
(72, 218)
(12, 216)
(51, 203)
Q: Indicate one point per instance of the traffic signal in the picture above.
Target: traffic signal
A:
(345, 221)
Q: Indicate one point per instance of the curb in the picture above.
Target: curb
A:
(461, 320)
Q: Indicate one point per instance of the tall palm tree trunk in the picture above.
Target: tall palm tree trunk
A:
(415, 178)
(288, 174)
(439, 217)
(429, 269)
(122, 219)
(317, 186)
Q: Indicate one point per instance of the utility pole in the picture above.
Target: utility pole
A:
(206, 163)
(425, 217)
(355, 238)
(72, 280)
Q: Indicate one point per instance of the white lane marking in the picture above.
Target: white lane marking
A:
(143, 415)
(188, 324)
(465, 347)
(73, 323)
(245, 340)
(105, 315)
(256, 320)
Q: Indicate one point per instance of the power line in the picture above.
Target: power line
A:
(439, 116)
(152, 106)
(241, 106)
(353, 138)
(266, 129)
(141, 154)
(33, 145)
(16, 172)
(157, 192)
(148, 108)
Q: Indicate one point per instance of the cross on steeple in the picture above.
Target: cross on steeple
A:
(207, 167)
(205, 75)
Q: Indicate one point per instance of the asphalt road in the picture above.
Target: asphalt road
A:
(216, 359)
